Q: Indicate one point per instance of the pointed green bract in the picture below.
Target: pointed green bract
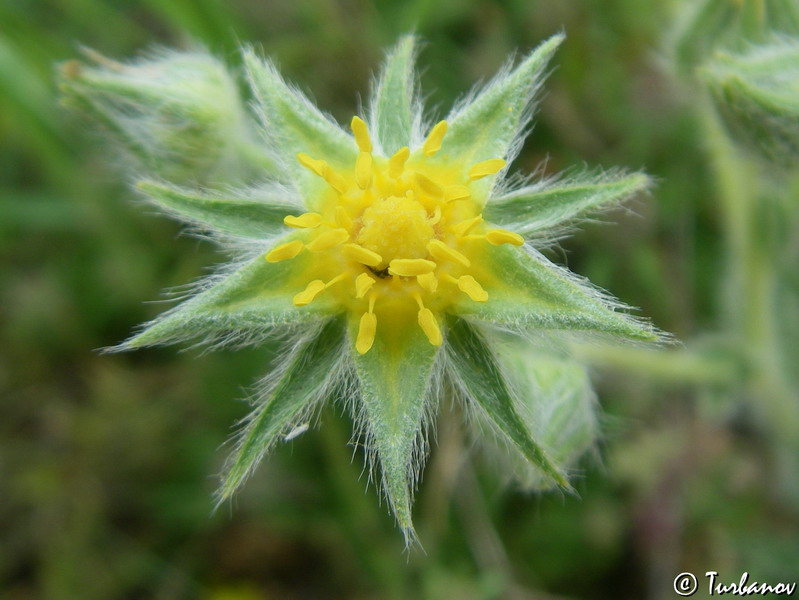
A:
(539, 207)
(254, 215)
(489, 126)
(300, 384)
(244, 305)
(293, 124)
(478, 374)
(391, 110)
(527, 291)
(394, 379)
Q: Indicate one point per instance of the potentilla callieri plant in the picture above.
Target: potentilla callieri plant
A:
(391, 257)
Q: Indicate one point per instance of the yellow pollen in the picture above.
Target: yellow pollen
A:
(470, 287)
(443, 253)
(285, 251)
(410, 267)
(363, 284)
(328, 239)
(311, 291)
(497, 237)
(397, 162)
(395, 227)
(428, 282)
(486, 168)
(363, 170)
(429, 186)
(466, 226)
(456, 192)
(319, 167)
(361, 133)
(304, 221)
(362, 255)
(429, 325)
(366, 332)
(433, 142)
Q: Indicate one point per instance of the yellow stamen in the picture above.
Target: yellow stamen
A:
(336, 181)
(470, 287)
(363, 170)
(410, 267)
(342, 218)
(436, 216)
(429, 325)
(428, 282)
(429, 186)
(311, 291)
(466, 226)
(503, 236)
(397, 162)
(362, 255)
(486, 168)
(328, 239)
(361, 133)
(304, 221)
(285, 251)
(443, 253)
(316, 166)
(456, 192)
(433, 142)
(366, 332)
(362, 284)
(337, 278)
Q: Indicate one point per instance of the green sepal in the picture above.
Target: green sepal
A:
(292, 124)
(242, 306)
(395, 380)
(250, 214)
(300, 384)
(527, 291)
(489, 126)
(479, 375)
(391, 108)
(539, 207)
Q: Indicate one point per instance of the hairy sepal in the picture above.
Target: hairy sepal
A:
(534, 209)
(478, 375)
(287, 397)
(396, 379)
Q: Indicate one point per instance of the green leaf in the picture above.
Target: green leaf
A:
(243, 305)
(527, 291)
(538, 207)
(253, 214)
(293, 124)
(488, 126)
(301, 383)
(394, 381)
(393, 100)
(480, 377)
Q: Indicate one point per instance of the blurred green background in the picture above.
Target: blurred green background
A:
(108, 463)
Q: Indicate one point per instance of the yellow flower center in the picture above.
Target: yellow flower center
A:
(396, 234)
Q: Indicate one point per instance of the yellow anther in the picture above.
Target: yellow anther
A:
(361, 133)
(363, 170)
(361, 255)
(433, 142)
(285, 251)
(363, 284)
(456, 192)
(470, 287)
(429, 325)
(410, 267)
(336, 181)
(328, 239)
(342, 218)
(304, 221)
(397, 161)
(311, 291)
(316, 166)
(466, 226)
(436, 216)
(366, 332)
(443, 253)
(503, 236)
(486, 168)
(428, 282)
(429, 186)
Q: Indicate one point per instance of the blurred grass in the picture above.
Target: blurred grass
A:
(107, 462)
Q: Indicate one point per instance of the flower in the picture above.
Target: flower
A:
(393, 260)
